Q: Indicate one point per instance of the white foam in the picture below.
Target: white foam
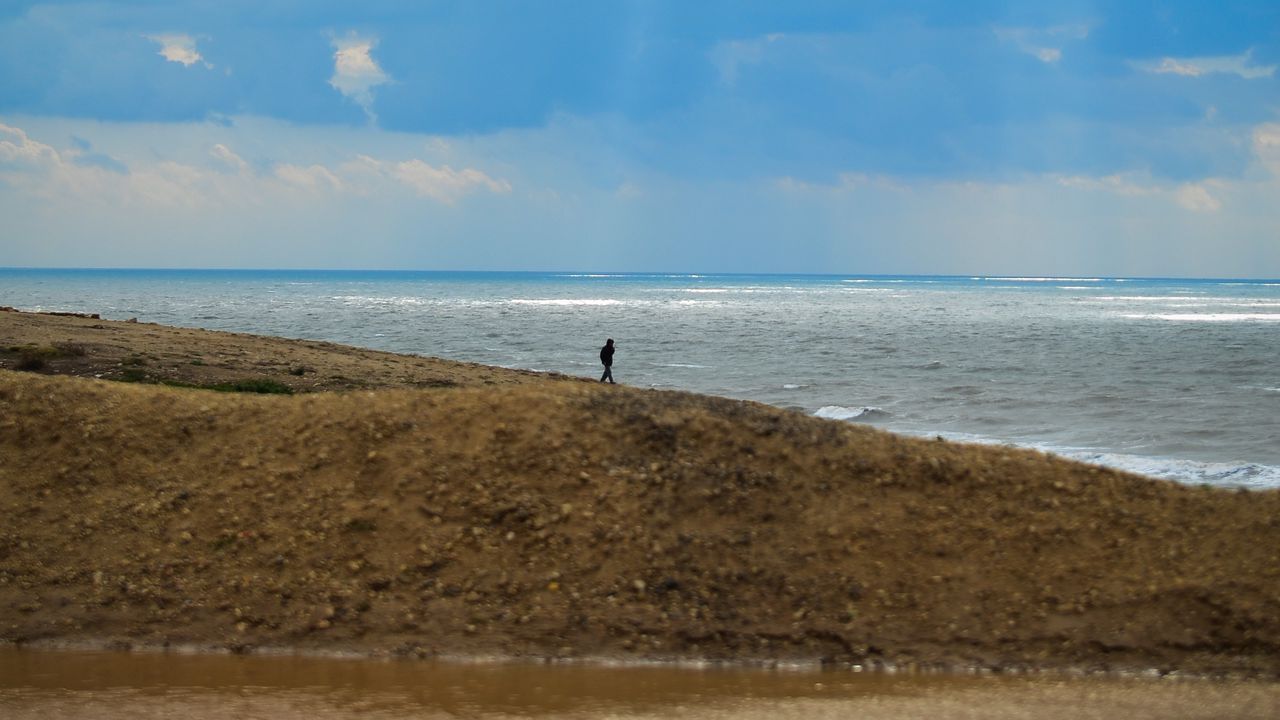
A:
(794, 386)
(1190, 472)
(569, 302)
(1242, 474)
(895, 282)
(1147, 298)
(1040, 279)
(839, 412)
(365, 300)
(1208, 317)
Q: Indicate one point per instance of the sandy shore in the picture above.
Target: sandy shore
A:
(447, 508)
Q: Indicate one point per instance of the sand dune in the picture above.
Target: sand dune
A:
(512, 514)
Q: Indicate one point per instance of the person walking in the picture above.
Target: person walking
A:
(606, 357)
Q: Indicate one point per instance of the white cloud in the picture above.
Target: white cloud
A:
(179, 48)
(731, 55)
(628, 191)
(1266, 146)
(31, 167)
(1241, 65)
(311, 177)
(1128, 184)
(355, 72)
(17, 148)
(1044, 44)
(1196, 198)
(234, 161)
(444, 183)
(44, 171)
(1048, 55)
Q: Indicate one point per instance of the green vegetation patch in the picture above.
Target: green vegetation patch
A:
(133, 375)
(37, 357)
(253, 385)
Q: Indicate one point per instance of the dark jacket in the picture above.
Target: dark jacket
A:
(606, 355)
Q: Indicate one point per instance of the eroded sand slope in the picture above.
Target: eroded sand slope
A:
(568, 519)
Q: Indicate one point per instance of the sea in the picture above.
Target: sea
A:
(1172, 378)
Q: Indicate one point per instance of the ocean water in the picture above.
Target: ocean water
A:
(1172, 378)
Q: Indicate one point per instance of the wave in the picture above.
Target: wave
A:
(893, 282)
(1191, 472)
(365, 300)
(839, 412)
(570, 302)
(1188, 472)
(1145, 298)
(1207, 317)
(1039, 279)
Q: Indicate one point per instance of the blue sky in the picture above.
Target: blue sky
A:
(1135, 138)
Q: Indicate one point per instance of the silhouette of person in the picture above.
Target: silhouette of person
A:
(606, 357)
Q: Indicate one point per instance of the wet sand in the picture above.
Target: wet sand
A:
(49, 686)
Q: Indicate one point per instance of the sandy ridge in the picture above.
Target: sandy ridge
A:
(544, 518)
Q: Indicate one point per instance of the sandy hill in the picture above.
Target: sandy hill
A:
(555, 518)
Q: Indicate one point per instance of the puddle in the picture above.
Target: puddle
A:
(47, 685)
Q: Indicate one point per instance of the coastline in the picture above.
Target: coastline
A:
(443, 509)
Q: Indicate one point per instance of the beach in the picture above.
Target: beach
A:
(1166, 378)
(451, 510)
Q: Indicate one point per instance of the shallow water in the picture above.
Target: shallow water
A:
(48, 685)
(1173, 378)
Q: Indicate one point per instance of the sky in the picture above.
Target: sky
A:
(1031, 138)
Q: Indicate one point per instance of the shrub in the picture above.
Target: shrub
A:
(133, 375)
(30, 361)
(254, 385)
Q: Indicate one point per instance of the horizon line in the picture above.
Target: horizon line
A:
(601, 274)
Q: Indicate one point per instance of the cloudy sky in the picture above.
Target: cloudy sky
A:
(1087, 138)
